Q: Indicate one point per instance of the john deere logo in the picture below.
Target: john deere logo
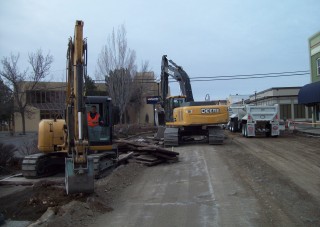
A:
(209, 111)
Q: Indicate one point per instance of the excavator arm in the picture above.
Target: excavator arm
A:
(79, 174)
(179, 75)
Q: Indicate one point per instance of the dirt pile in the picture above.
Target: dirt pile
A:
(50, 205)
(83, 212)
(75, 213)
(32, 202)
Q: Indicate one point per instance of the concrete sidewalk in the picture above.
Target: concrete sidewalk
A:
(5, 137)
(307, 130)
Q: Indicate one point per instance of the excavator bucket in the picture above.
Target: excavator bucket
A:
(79, 180)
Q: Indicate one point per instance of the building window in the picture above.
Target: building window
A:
(42, 96)
(285, 111)
(299, 111)
(310, 112)
(51, 114)
(318, 66)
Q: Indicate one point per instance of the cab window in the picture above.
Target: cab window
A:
(98, 127)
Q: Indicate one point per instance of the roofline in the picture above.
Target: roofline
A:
(314, 35)
(269, 97)
(274, 88)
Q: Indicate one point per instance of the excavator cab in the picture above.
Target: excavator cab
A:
(101, 134)
(171, 103)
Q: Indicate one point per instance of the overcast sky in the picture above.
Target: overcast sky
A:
(206, 37)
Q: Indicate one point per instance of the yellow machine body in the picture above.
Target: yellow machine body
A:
(51, 135)
(199, 115)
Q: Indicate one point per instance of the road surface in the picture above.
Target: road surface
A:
(245, 182)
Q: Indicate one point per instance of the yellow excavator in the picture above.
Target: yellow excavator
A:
(85, 152)
(182, 117)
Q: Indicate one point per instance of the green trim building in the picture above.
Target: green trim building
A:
(309, 94)
(314, 47)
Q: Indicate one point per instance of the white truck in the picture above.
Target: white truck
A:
(236, 112)
(254, 120)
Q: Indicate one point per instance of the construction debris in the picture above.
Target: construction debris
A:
(144, 153)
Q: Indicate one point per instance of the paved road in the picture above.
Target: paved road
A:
(245, 182)
(242, 183)
(198, 191)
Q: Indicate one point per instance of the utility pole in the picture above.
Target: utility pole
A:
(255, 97)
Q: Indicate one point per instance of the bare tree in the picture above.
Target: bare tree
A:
(40, 65)
(29, 147)
(141, 86)
(6, 103)
(116, 64)
(6, 154)
(23, 81)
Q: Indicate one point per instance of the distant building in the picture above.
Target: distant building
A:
(237, 99)
(47, 101)
(44, 101)
(309, 94)
(146, 86)
(314, 50)
(287, 98)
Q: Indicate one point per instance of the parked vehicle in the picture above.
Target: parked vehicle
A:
(254, 120)
(236, 112)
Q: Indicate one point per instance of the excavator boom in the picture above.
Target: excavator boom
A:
(79, 170)
(179, 75)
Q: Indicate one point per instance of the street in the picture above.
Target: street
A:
(245, 182)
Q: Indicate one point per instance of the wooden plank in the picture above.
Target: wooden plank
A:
(148, 158)
(144, 146)
(150, 163)
(124, 157)
(165, 156)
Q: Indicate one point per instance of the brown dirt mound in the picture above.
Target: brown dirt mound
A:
(32, 202)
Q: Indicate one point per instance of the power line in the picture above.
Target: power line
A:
(230, 77)
(252, 75)
(240, 78)
(206, 79)
(247, 78)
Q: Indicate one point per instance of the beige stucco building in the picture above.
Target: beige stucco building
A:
(47, 101)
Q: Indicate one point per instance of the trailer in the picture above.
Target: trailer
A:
(261, 120)
(236, 113)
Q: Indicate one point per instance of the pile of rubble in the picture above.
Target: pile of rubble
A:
(145, 153)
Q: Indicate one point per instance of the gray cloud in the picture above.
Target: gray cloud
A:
(208, 38)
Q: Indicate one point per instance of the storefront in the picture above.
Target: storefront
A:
(309, 95)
